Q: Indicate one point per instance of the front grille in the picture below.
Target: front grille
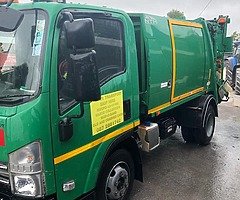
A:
(4, 175)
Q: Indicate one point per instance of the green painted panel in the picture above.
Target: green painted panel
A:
(29, 124)
(84, 168)
(159, 73)
(157, 65)
(190, 58)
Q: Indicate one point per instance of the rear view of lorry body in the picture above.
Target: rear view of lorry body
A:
(154, 74)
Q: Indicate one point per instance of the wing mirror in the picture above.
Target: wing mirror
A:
(80, 34)
(87, 87)
(10, 19)
(80, 40)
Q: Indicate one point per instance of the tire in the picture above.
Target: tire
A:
(229, 73)
(188, 134)
(204, 135)
(117, 177)
(237, 82)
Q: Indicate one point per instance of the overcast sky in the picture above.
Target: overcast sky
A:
(191, 8)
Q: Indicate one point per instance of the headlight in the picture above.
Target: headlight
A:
(25, 167)
(25, 185)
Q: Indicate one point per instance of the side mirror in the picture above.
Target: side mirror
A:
(86, 88)
(80, 34)
(86, 82)
(10, 19)
(80, 38)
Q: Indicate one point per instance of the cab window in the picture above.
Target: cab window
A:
(109, 48)
(110, 58)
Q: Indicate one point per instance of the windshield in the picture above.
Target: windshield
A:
(20, 57)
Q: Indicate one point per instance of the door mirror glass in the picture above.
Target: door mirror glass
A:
(86, 82)
(10, 19)
(80, 34)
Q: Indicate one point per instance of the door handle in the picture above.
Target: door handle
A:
(169, 83)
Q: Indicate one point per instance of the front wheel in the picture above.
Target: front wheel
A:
(204, 135)
(117, 176)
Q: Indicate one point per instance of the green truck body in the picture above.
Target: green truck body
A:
(166, 66)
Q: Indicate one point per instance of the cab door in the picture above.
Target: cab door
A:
(77, 161)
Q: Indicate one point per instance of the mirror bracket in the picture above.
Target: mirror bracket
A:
(10, 18)
(65, 16)
(81, 113)
(66, 125)
(9, 3)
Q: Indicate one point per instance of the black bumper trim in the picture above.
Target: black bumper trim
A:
(5, 195)
(88, 196)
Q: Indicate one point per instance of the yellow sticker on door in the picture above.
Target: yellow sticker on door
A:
(108, 112)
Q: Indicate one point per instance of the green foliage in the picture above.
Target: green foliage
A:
(176, 14)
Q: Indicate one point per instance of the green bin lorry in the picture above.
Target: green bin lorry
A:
(85, 89)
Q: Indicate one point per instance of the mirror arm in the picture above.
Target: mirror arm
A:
(69, 118)
(9, 3)
(81, 113)
(65, 16)
(66, 125)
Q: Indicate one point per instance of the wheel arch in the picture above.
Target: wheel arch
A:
(190, 114)
(126, 141)
(209, 101)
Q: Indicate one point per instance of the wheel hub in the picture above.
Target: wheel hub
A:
(117, 182)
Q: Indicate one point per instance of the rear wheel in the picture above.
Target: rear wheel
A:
(204, 135)
(188, 134)
(117, 176)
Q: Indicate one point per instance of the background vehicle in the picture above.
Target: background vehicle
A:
(91, 87)
(232, 68)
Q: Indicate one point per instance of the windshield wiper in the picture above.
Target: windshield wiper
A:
(16, 95)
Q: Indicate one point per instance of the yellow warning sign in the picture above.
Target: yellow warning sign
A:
(107, 112)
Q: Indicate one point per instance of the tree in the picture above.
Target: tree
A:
(236, 36)
(176, 14)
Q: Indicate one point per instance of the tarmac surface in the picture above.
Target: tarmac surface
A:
(180, 171)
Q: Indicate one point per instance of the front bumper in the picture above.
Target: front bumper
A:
(5, 194)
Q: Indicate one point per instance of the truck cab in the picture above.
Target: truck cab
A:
(49, 131)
